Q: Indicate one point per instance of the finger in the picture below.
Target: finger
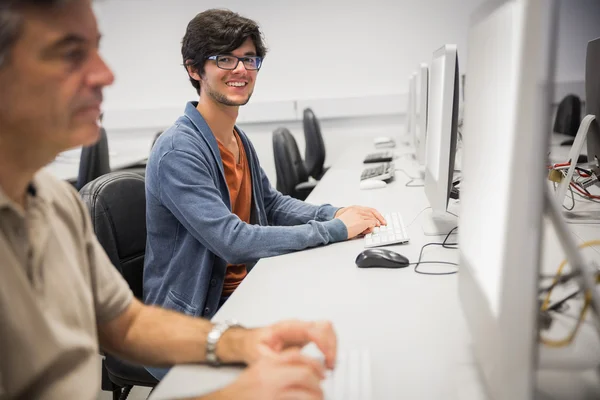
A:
(370, 223)
(291, 333)
(323, 335)
(264, 351)
(299, 394)
(297, 377)
(294, 357)
(378, 215)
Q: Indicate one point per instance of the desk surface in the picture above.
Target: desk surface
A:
(412, 324)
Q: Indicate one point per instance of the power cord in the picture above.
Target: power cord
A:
(445, 245)
(417, 216)
(545, 306)
(412, 179)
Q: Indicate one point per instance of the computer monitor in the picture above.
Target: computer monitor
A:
(442, 119)
(421, 112)
(410, 112)
(592, 97)
(589, 131)
(506, 125)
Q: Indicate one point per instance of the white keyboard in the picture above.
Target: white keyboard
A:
(392, 233)
(351, 378)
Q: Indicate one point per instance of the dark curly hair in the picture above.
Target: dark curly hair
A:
(214, 32)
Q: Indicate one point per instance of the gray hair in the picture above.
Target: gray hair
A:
(11, 21)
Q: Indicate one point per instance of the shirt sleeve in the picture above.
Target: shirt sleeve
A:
(111, 292)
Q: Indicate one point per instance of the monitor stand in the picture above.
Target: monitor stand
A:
(587, 127)
(438, 224)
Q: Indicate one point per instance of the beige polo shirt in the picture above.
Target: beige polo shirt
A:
(56, 286)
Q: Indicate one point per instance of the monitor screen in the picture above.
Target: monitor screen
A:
(442, 118)
(421, 113)
(592, 94)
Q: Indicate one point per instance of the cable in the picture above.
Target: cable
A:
(420, 212)
(584, 191)
(406, 173)
(412, 179)
(572, 198)
(588, 297)
(445, 245)
(408, 184)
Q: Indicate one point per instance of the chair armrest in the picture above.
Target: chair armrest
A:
(304, 189)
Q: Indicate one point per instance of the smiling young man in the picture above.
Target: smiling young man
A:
(60, 297)
(211, 211)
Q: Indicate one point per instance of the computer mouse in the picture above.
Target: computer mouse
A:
(368, 184)
(381, 258)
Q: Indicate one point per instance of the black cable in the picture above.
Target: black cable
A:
(445, 245)
(558, 306)
(585, 171)
(559, 280)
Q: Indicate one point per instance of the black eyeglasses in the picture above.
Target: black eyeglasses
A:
(251, 63)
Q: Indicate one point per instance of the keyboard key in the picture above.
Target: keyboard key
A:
(351, 378)
(392, 233)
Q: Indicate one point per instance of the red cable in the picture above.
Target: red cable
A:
(591, 196)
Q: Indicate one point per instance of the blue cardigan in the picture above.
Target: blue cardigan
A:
(192, 233)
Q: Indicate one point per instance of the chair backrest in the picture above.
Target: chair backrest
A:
(94, 161)
(156, 136)
(117, 205)
(288, 162)
(568, 116)
(314, 152)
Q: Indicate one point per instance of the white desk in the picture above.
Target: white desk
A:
(412, 324)
(125, 150)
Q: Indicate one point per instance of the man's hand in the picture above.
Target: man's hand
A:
(360, 220)
(254, 344)
(288, 375)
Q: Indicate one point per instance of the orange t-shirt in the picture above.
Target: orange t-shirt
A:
(239, 183)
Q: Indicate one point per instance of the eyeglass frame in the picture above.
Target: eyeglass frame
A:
(215, 59)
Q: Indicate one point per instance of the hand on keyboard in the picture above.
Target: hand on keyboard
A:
(286, 375)
(360, 220)
(392, 233)
(351, 377)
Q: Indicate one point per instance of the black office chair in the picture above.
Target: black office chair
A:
(94, 161)
(156, 136)
(117, 205)
(292, 178)
(314, 152)
(568, 117)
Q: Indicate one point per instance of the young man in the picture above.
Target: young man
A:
(60, 298)
(211, 211)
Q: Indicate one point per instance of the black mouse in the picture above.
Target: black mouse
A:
(381, 258)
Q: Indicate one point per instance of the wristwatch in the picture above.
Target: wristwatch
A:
(213, 338)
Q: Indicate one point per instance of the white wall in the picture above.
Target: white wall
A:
(325, 50)
(358, 56)
(579, 22)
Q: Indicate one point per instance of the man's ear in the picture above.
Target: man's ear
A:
(192, 71)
